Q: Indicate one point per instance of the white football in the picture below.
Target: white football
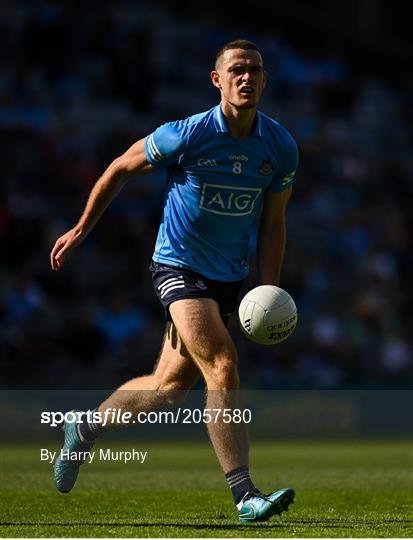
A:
(268, 315)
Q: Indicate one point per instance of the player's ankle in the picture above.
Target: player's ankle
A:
(240, 483)
(90, 427)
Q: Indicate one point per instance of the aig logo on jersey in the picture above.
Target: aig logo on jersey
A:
(228, 200)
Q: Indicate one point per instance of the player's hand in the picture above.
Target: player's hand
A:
(63, 245)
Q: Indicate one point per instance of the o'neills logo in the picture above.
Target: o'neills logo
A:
(241, 157)
(247, 326)
(265, 168)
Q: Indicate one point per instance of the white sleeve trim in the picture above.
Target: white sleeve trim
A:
(153, 150)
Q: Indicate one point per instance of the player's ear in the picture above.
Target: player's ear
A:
(216, 78)
(265, 79)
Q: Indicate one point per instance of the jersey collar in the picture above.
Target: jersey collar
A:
(222, 127)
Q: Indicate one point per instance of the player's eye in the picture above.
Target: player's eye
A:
(239, 70)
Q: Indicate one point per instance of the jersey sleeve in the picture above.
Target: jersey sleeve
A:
(166, 144)
(286, 172)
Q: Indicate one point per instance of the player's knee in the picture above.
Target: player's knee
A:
(223, 374)
(173, 392)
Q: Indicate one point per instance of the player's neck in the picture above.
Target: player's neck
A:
(240, 121)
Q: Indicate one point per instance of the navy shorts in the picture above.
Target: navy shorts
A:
(172, 283)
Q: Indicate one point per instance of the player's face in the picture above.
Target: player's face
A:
(241, 77)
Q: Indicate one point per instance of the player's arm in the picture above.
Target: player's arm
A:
(272, 236)
(132, 162)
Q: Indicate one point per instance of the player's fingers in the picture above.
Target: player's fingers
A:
(60, 255)
(53, 263)
(64, 244)
(54, 259)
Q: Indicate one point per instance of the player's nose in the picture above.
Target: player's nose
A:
(247, 76)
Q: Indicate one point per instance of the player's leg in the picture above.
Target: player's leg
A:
(209, 343)
(174, 374)
(202, 330)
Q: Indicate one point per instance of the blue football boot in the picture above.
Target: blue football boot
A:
(66, 469)
(258, 507)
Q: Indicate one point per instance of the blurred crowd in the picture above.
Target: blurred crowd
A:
(77, 87)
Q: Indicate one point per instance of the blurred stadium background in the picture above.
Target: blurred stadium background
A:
(80, 82)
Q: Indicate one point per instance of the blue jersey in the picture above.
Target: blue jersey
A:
(215, 188)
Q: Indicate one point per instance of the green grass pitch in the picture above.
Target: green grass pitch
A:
(344, 489)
